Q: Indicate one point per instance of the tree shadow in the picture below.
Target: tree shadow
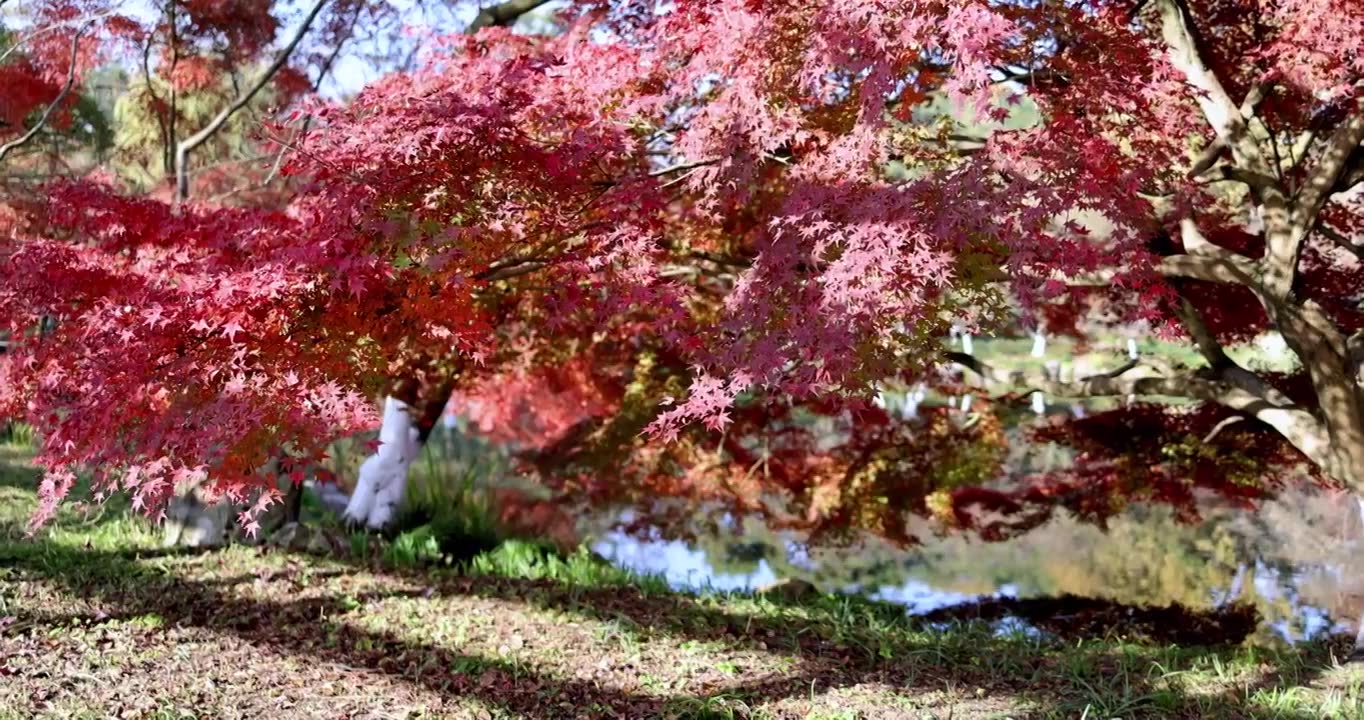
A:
(824, 653)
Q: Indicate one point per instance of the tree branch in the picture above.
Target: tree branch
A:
(1222, 114)
(1213, 264)
(1229, 269)
(1352, 175)
(1207, 344)
(189, 144)
(1354, 356)
(1255, 181)
(1340, 240)
(1283, 236)
(1220, 363)
(502, 14)
(1298, 152)
(84, 22)
(1101, 384)
(1208, 157)
(1299, 426)
(322, 72)
(1329, 170)
(1287, 228)
(679, 167)
(24, 139)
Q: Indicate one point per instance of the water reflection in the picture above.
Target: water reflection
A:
(1294, 561)
(683, 566)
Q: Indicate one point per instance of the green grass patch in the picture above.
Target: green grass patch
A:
(93, 614)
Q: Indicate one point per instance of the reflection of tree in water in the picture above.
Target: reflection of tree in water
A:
(1145, 557)
(1299, 551)
(1312, 541)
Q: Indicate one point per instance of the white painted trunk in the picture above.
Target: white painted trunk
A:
(1039, 345)
(382, 481)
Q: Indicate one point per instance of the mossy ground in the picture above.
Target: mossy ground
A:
(96, 622)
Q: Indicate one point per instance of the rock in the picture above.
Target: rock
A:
(788, 589)
(297, 537)
(331, 497)
(194, 521)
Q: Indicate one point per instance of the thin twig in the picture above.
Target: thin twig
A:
(322, 73)
(184, 148)
(1221, 426)
(50, 28)
(22, 140)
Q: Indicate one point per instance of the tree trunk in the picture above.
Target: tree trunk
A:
(410, 415)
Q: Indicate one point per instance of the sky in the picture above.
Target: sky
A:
(353, 69)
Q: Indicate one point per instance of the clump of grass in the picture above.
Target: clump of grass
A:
(448, 515)
(532, 560)
(414, 547)
(16, 433)
(454, 510)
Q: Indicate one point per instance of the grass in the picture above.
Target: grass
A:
(97, 621)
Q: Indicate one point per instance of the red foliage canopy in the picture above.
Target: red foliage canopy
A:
(659, 247)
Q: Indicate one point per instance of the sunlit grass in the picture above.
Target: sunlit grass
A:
(1037, 676)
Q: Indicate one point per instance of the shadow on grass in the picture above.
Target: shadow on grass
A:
(828, 652)
(829, 643)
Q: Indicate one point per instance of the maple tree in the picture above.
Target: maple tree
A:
(672, 254)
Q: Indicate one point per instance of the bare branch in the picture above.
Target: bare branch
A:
(1340, 240)
(322, 73)
(1208, 347)
(172, 113)
(680, 167)
(504, 13)
(1220, 426)
(1211, 263)
(1101, 384)
(1298, 152)
(1208, 157)
(506, 272)
(188, 145)
(24, 139)
(1283, 231)
(1287, 231)
(1329, 170)
(1255, 181)
(1353, 173)
(84, 21)
(1220, 363)
(1354, 356)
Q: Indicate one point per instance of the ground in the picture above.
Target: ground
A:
(96, 622)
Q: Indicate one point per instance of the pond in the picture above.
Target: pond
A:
(1288, 561)
(1296, 560)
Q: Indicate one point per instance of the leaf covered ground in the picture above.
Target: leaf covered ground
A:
(97, 622)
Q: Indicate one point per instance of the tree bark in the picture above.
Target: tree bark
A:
(411, 412)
